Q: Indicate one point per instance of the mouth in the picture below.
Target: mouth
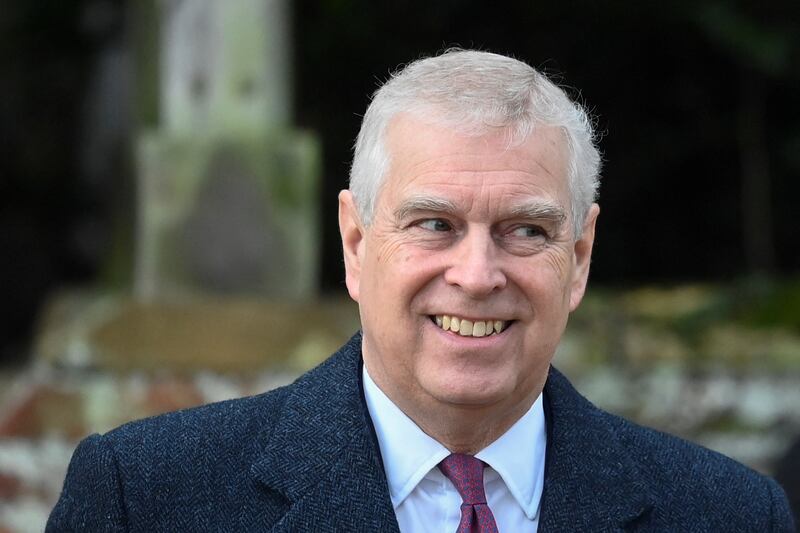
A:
(470, 328)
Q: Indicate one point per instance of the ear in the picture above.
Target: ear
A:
(352, 233)
(583, 256)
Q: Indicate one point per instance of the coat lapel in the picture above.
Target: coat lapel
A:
(322, 455)
(591, 484)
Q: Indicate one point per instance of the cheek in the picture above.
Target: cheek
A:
(388, 247)
(544, 283)
(401, 256)
(389, 251)
(399, 272)
(559, 263)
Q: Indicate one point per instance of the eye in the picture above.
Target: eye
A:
(528, 232)
(435, 224)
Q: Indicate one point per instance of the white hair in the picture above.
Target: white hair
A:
(475, 93)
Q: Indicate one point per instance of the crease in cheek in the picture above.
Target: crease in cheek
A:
(407, 252)
(387, 250)
(558, 263)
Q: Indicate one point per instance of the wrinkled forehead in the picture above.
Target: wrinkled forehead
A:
(420, 146)
(426, 158)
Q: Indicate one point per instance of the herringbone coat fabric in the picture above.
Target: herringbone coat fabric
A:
(303, 458)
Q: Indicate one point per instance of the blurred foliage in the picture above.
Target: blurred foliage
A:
(766, 46)
(744, 326)
(773, 304)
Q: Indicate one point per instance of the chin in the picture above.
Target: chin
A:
(470, 391)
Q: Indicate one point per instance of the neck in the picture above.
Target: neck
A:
(461, 428)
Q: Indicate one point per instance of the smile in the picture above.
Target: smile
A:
(470, 328)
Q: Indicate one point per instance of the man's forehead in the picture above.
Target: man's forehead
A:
(417, 145)
(413, 124)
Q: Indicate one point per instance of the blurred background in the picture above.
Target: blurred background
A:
(168, 181)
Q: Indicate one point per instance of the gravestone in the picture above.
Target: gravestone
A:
(228, 191)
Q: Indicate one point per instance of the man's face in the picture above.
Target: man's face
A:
(472, 230)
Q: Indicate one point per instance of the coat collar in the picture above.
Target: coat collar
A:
(591, 482)
(322, 455)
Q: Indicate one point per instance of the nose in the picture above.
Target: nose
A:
(476, 266)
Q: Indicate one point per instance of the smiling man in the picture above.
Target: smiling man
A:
(467, 233)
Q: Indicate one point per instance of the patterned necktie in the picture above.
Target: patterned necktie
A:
(466, 473)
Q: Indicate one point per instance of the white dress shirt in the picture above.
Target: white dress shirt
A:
(425, 500)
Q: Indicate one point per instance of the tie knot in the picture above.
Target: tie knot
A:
(466, 473)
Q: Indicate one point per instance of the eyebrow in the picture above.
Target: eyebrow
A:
(538, 209)
(424, 203)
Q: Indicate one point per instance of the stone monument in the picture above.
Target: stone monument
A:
(228, 191)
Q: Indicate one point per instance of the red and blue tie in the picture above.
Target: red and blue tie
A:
(466, 473)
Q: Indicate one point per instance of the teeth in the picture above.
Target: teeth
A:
(468, 328)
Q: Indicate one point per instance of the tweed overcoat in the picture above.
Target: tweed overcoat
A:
(304, 458)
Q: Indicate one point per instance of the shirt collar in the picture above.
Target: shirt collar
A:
(521, 467)
(409, 453)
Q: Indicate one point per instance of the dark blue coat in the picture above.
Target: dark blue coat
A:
(304, 458)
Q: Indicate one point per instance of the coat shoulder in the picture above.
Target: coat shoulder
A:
(222, 422)
(684, 485)
(689, 480)
(215, 424)
(135, 477)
